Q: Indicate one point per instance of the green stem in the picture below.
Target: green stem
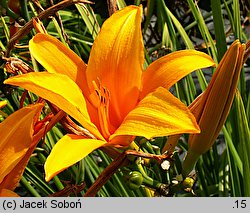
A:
(29, 187)
(152, 183)
(189, 162)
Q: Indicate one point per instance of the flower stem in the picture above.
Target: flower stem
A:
(189, 162)
(25, 182)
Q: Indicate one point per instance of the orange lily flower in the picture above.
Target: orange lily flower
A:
(16, 147)
(112, 97)
(212, 107)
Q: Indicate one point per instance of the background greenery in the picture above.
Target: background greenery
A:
(167, 26)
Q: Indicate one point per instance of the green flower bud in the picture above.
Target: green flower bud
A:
(135, 180)
(188, 183)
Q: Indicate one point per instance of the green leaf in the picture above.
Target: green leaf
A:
(244, 142)
(89, 18)
(220, 34)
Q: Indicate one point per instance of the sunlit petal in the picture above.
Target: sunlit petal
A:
(57, 58)
(3, 103)
(16, 138)
(116, 60)
(12, 179)
(169, 69)
(67, 151)
(59, 90)
(158, 114)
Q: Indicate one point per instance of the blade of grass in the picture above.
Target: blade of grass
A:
(182, 32)
(149, 14)
(224, 176)
(244, 142)
(59, 32)
(34, 176)
(24, 9)
(5, 29)
(2, 46)
(208, 15)
(88, 17)
(236, 19)
(27, 185)
(203, 29)
(121, 4)
(137, 2)
(232, 149)
(248, 109)
(95, 170)
(170, 35)
(202, 178)
(220, 35)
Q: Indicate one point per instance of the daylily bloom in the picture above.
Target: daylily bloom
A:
(111, 97)
(16, 147)
(212, 107)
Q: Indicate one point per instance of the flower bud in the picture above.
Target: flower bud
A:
(188, 183)
(211, 108)
(135, 180)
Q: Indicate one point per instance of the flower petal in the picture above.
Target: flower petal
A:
(16, 137)
(55, 57)
(67, 151)
(7, 193)
(158, 114)
(116, 60)
(12, 179)
(60, 90)
(3, 104)
(169, 69)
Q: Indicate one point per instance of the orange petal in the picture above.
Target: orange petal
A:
(16, 137)
(60, 90)
(116, 60)
(169, 69)
(7, 193)
(67, 151)
(158, 114)
(12, 179)
(55, 57)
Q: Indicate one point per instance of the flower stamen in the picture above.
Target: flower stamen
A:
(103, 108)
